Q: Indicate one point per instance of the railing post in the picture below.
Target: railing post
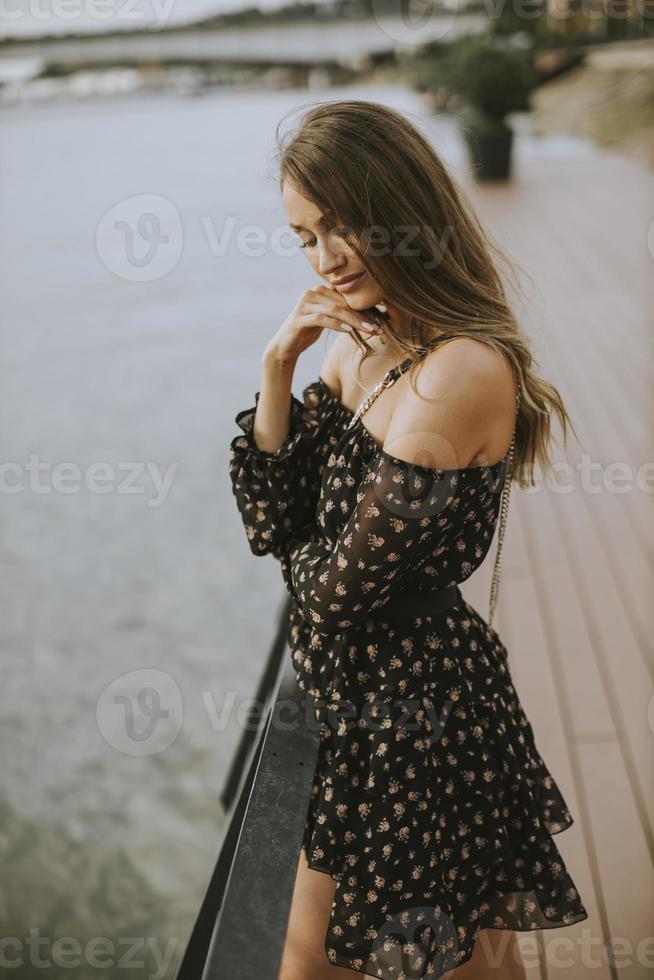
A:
(241, 926)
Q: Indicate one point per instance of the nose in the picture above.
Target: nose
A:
(330, 260)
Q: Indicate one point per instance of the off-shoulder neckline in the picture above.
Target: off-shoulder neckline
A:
(380, 451)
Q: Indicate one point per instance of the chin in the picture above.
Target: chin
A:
(362, 299)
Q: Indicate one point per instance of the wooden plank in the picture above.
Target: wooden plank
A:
(625, 681)
(576, 301)
(626, 871)
(568, 629)
(535, 665)
(626, 544)
(637, 504)
(578, 569)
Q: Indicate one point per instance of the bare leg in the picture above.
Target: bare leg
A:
(304, 953)
(496, 956)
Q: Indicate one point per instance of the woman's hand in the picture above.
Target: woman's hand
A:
(316, 310)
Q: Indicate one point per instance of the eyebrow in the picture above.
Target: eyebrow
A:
(321, 221)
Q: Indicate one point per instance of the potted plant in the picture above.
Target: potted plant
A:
(492, 78)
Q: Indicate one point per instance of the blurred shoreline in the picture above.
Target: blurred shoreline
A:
(608, 99)
(306, 54)
(602, 90)
(162, 15)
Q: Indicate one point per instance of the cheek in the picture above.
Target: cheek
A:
(352, 253)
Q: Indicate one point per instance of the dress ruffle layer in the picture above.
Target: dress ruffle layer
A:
(446, 766)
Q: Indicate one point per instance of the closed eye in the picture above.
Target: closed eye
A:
(341, 232)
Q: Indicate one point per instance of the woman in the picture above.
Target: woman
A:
(428, 838)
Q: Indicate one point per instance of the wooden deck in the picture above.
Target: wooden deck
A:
(575, 603)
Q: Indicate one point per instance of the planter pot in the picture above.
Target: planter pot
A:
(490, 149)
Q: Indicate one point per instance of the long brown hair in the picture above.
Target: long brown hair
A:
(368, 167)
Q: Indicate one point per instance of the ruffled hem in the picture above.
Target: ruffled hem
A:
(422, 940)
(297, 428)
(317, 409)
(443, 823)
(419, 824)
(429, 920)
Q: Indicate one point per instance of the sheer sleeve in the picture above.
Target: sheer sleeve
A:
(401, 518)
(277, 492)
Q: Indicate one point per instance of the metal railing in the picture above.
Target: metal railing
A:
(241, 926)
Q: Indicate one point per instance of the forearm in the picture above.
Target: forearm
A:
(274, 477)
(273, 414)
(393, 529)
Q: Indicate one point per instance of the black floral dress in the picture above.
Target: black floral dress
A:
(431, 806)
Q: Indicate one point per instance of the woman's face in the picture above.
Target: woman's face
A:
(328, 252)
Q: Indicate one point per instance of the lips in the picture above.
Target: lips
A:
(346, 279)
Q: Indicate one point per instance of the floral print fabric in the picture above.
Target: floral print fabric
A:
(431, 807)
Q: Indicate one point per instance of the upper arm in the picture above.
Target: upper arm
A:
(465, 401)
(331, 365)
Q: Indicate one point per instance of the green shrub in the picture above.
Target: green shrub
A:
(491, 77)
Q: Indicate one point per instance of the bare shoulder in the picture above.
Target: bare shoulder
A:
(331, 370)
(462, 411)
(468, 370)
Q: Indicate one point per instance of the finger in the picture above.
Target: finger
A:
(332, 293)
(331, 320)
(342, 309)
(345, 315)
(310, 321)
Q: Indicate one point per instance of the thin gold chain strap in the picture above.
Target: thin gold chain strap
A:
(388, 379)
(504, 508)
